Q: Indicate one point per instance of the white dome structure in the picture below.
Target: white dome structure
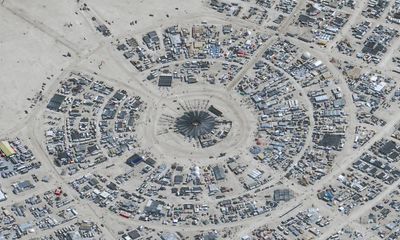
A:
(306, 55)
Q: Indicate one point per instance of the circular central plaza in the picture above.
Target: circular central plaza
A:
(196, 125)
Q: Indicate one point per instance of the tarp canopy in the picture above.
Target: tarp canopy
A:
(6, 148)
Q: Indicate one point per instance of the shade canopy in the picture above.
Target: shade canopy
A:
(194, 124)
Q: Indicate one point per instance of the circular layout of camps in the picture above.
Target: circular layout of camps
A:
(211, 119)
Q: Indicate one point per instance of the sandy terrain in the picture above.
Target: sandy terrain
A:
(61, 20)
(28, 57)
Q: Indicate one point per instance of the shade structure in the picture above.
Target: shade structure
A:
(194, 124)
(6, 148)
